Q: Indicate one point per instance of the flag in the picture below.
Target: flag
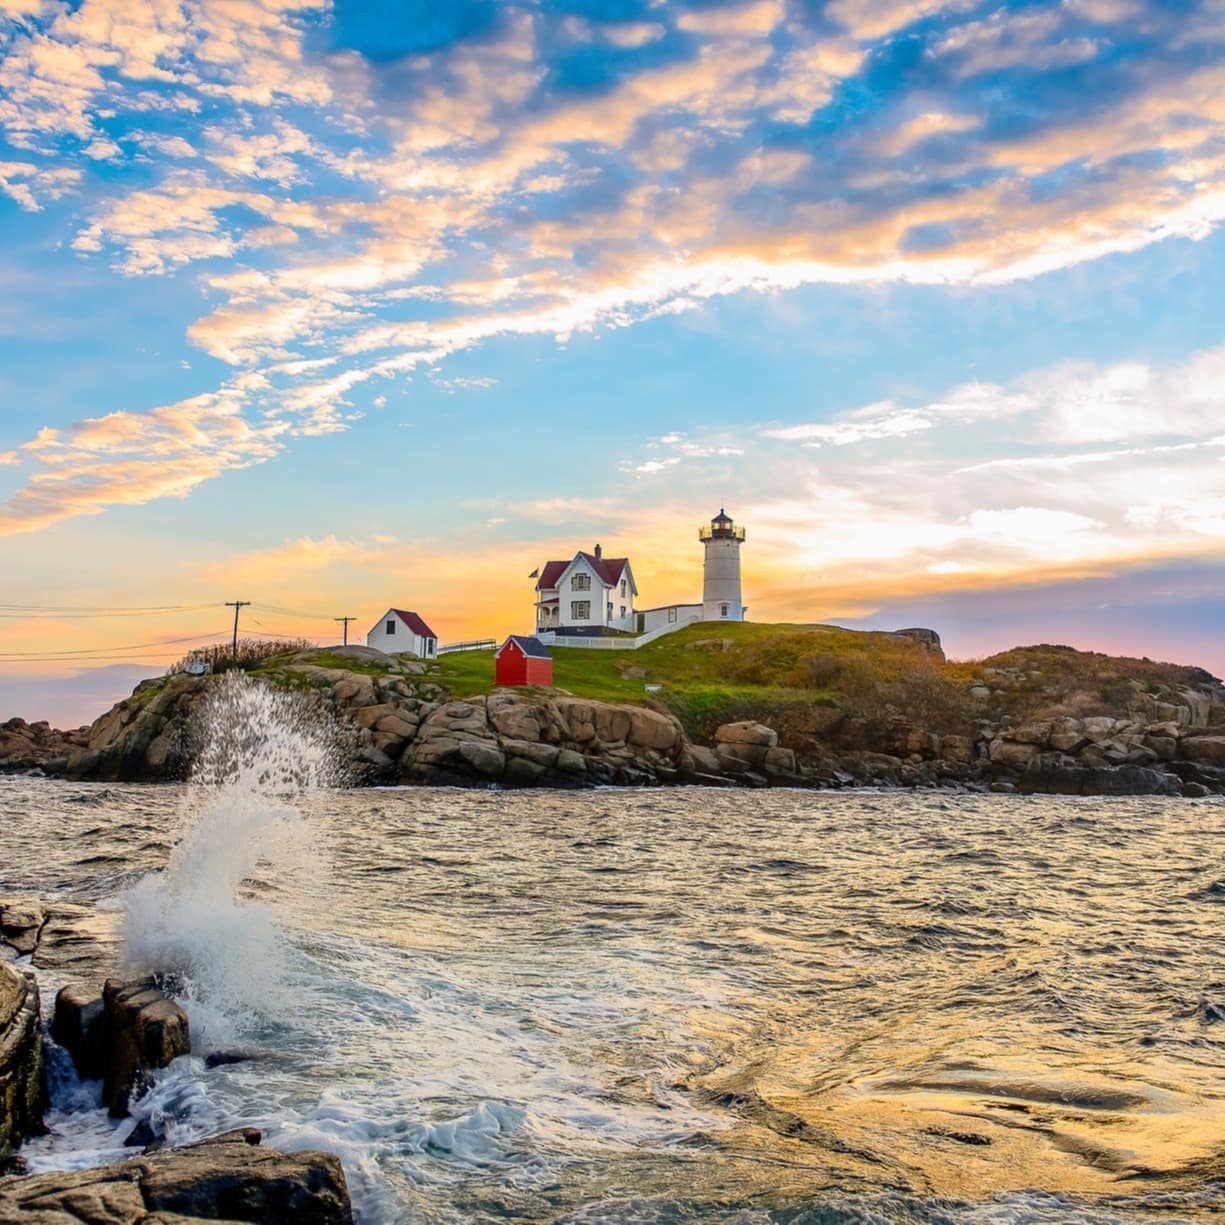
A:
(535, 573)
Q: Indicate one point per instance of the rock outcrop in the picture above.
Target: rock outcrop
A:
(562, 741)
(36, 746)
(21, 1057)
(231, 1177)
(117, 1031)
(74, 941)
(121, 1036)
(1165, 737)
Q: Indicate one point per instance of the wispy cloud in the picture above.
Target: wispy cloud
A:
(1076, 468)
(128, 459)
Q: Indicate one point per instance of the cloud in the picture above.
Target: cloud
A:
(875, 19)
(128, 459)
(1070, 404)
(883, 420)
(1072, 470)
(461, 383)
(650, 466)
(349, 221)
(971, 402)
(683, 449)
(61, 77)
(1035, 39)
(32, 186)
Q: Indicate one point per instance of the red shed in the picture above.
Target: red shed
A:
(522, 661)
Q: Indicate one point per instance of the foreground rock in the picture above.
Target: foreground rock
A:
(228, 1178)
(21, 1058)
(73, 941)
(121, 1037)
(116, 1031)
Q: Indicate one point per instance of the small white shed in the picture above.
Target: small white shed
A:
(399, 631)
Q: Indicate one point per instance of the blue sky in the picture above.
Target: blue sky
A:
(337, 307)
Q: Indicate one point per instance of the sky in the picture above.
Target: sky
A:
(339, 307)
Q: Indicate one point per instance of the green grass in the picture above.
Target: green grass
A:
(701, 686)
(783, 674)
(599, 673)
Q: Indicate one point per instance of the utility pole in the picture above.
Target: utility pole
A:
(346, 621)
(236, 605)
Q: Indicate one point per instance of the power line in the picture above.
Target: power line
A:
(50, 612)
(144, 659)
(101, 650)
(119, 655)
(293, 612)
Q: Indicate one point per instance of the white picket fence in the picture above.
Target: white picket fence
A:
(551, 639)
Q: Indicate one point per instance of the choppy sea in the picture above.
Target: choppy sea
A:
(672, 1005)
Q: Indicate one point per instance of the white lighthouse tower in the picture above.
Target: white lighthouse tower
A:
(721, 573)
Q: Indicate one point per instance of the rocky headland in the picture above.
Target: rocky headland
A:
(848, 710)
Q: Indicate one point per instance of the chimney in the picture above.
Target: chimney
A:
(599, 552)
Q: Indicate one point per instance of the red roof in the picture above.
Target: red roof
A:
(550, 574)
(415, 623)
(608, 568)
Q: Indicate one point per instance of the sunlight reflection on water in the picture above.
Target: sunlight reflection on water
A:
(672, 1005)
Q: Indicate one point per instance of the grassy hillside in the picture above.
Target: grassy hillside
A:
(797, 677)
(768, 670)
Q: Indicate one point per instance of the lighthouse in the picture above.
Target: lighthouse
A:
(721, 573)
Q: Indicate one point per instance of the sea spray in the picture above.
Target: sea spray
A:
(259, 751)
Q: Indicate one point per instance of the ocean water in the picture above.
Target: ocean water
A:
(668, 1005)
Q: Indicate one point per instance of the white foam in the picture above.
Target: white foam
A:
(260, 749)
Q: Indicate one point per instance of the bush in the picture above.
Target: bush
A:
(819, 671)
(251, 652)
(921, 693)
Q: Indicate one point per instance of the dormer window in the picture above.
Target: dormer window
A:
(580, 582)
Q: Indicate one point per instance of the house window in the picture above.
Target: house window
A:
(580, 582)
(723, 610)
(623, 588)
(391, 627)
(671, 614)
(580, 610)
(610, 610)
(623, 610)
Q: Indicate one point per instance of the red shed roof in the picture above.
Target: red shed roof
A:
(533, 648)
(415, 623)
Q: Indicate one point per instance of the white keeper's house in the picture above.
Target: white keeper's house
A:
(589, 594)
(592, 595)
(398, 631)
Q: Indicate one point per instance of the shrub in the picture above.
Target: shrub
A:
(251, 652)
